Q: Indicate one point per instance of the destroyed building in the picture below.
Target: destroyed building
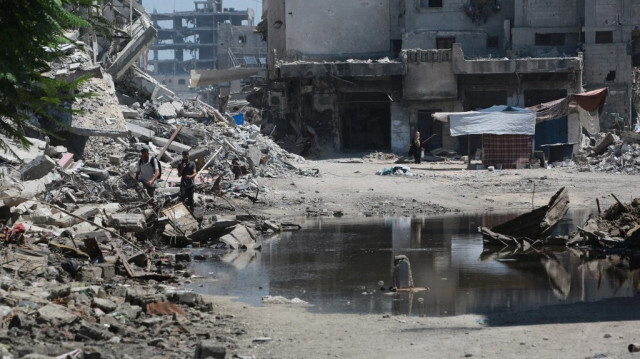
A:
(365, 75)
(210, 37)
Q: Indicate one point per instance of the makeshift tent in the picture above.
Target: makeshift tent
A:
(588, 103)
(506, 133)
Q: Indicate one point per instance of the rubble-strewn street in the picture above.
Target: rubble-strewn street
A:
(98, 263)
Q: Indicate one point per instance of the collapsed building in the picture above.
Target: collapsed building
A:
(209, 38)
(362, 76)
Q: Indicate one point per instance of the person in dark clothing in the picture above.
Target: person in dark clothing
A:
(415, 148)
(187, 172)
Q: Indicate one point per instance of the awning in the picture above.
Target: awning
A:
(589, 101)
(496, 120)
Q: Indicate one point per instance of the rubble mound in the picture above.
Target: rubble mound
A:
(612, 154)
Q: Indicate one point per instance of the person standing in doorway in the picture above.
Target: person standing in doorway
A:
(415, 148)
(187, 172)
(147, 171)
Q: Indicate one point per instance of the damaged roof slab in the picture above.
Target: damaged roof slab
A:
(340, 69)
(462, 66)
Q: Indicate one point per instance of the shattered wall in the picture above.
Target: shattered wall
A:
(239, 46)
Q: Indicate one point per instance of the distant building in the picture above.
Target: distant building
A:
(365, 75)
(209, 38)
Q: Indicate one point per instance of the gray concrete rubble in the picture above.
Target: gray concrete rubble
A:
(619, 154)
(88, 268)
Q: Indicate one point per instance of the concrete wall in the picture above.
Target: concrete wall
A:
(429, 75)
(276, 29)
(330, 27)
(425, 25)
(546, 13)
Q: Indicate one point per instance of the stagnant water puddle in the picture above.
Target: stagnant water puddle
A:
(336, 265)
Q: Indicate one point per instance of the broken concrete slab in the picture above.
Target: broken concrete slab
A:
(145, 33)
(167, 111)
(145, 84)
(37, 168)
(56, 313)
(128, 222)
(100, 114)
(173, 146)
(84, 212)
(140, 132)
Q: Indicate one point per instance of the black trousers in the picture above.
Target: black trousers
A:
(186, 196)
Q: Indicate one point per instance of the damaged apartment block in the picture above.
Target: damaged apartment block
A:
(365, 76)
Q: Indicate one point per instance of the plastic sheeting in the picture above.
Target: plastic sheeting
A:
(495, 120)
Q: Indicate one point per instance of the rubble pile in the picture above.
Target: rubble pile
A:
(85, 269)
(612, 154)
(617, 228)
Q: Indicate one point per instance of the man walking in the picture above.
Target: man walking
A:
(147, 171)
(187, 172)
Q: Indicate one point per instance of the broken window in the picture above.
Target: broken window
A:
(492, 42)
(242, 39)
(604, 37)
(430, 3)
(445, 42)
(554, 39)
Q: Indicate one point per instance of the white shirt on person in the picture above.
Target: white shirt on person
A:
(147, 169)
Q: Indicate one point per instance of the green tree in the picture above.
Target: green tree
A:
(31, 32)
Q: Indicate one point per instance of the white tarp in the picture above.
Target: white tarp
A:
(496, 120)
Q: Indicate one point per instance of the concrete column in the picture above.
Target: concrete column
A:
(589, 21)
(400, 129)
(518, 19)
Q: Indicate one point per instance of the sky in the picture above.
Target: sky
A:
(186, 5)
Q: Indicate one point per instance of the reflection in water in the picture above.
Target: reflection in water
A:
(336, 265)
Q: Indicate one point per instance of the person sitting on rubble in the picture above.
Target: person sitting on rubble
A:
(147, 171)
(187, 172)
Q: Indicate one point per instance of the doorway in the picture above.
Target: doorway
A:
(366, 121)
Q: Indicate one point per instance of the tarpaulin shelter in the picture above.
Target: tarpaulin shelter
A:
(507, 133)
(587, 102)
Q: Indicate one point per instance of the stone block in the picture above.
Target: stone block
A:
(210, 349)
(188, 298)
(85, 212)
(167, 110)
(89, 274)
(59, 291)
(115, 160)
(56, 313)
(66, 160)
(37, 168)
(108, 271)
(105, 304)
(128, 222)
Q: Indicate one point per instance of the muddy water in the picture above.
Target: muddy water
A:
(336, 266)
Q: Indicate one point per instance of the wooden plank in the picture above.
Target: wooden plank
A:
(166, 145)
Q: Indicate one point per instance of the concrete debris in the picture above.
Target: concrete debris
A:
(86, 251)
(611, 153)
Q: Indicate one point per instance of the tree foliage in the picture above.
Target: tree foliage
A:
(31, 32)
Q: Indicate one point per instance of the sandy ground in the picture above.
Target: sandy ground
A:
(583, 330)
